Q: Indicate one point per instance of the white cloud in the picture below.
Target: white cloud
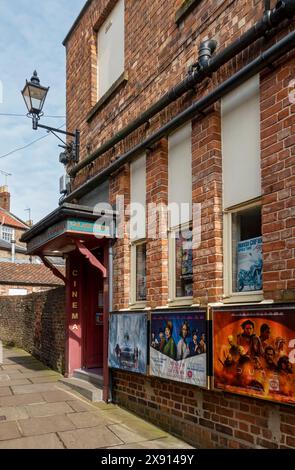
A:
(31, 34)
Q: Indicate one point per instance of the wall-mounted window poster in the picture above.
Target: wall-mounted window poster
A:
(178, 348)
(128, 342)
(249, 265)
(254, 352)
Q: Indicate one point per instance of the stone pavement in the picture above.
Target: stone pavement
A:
(38, 412)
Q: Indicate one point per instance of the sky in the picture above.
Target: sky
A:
(31, 35)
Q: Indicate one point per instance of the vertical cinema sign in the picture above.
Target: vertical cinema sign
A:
(74, 308)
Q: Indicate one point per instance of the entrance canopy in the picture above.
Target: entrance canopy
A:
(65, 228)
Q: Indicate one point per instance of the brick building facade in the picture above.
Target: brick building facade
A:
(254, 197)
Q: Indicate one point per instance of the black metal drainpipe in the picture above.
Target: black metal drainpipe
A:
(271, 18)
(272, 54)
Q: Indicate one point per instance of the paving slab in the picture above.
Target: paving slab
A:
(4, 391)
(165, 443)
(48, 409)
(13, 413)
(90, 438)
(8, 430)
(4, 377)
(18, 390)
(41, 380)
(41, 373)
(47, 441)
(54, 396)
(89, 419)
(79, 405)
(12, 375)
(17, 400)
(45, 425)
(119, 415)
(129, 434)
(15, 382)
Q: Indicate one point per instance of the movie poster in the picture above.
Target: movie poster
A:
(254, 352)
(249, 265)
(128, 342)
(178, 347)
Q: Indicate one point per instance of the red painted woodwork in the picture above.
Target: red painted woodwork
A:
(93, 318)
(74, 317)
(90, 257)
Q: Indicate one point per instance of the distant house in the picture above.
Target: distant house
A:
(20, 273)
(23, 279)
(11, 230)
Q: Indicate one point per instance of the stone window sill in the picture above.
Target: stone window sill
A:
(244, 298)
(107, 96)
(186, 7)
(181, 301)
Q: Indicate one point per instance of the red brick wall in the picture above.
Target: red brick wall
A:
(206, 419)
(207, 191)
(120, 186)
(36, 323)
(203, 418)
(157, 249)
(153, 65)
(278, 183)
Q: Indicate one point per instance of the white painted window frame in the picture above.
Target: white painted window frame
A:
(229, 296)
(6, 233)
(173, 300)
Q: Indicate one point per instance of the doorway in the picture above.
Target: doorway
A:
(93, 318)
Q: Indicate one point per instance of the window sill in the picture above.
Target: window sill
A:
(247, 297)
(107, 96)
(186, 7)
(181, 302)
(137, 306)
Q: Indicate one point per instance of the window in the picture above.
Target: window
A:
(138, 274)
(181, 263)
(180, 215)
(6, 233)
(240, 112)
(246, 247)
(110, 49)
(138, 231)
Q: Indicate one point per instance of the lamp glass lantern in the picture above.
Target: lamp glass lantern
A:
(34, 95)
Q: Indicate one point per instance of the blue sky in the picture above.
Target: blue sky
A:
(31, 35)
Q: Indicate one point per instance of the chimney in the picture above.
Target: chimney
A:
(5, 198)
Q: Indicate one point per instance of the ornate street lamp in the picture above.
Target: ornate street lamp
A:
(34, 96)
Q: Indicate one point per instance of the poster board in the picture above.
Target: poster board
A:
(254, 351)
(128, 342)
(179, 354)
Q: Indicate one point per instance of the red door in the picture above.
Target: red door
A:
(93, 340)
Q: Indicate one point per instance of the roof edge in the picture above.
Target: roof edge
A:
(85, 7)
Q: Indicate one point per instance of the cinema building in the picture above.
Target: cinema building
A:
(178, 224)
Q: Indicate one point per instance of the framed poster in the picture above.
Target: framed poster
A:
(249, 265)
(254, 351)
(178, 347)
(128, 342)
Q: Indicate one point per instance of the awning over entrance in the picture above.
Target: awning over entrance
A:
(64, 229)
